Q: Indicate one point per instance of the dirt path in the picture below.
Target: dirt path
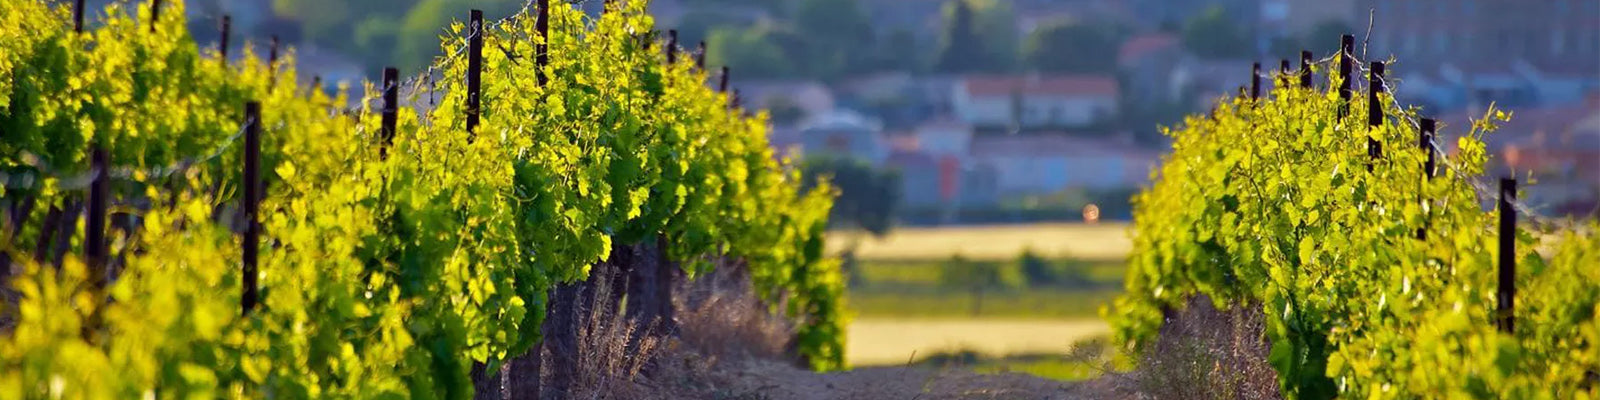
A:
(776, 381)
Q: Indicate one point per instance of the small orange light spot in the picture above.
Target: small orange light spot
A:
(1091, 213)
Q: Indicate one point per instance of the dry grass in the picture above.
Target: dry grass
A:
(1205, 353)
(719, 316)
(1103, 241)
(722, 327)
(612, 348)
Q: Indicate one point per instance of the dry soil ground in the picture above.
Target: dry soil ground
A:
(783, 382)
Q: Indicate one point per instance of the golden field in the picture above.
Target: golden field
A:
(1102, 241)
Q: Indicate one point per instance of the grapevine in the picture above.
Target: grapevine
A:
(383, 273)
(1270, 203)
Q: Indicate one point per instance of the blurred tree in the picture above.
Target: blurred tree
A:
(784, 111)
(321, 19)
(752, 52)
(1325, 36)
(1036, 269)
(838, 37)
(1072, 47)
(416, 39)
(868, 196)
(377, 33)
(696, 25)
(979, 36)
(977, 278)
(1286, 48)
(1210, 34)
(898, 52)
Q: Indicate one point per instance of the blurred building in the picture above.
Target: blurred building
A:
(1035, 102)
(812, 98)
(1208, 80)
(945, 137)
(1559, 146)
(1148, 61)
(1048, 163)
(1550, 35)
(1468, 53)
(843, 133)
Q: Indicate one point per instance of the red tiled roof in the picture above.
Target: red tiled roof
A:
(1056, 85)
(1140, 45)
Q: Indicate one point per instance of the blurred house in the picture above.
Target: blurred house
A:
(1514, 84)
(811, 97)
(945, 136)
(1148, 61)
(1558, 146)
(919, 177)
(1035, 102)
(1039, 164)
(1469, 53)
(843, 133)
(1550, 35)
(935, 166)
(878, 86)
(1208, 80)
(943, 181)
(894, 97)
(937, 92)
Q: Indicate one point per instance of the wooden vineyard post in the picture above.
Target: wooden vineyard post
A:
(155, 14)
(723, 86)
(542, 23)
(1346, 51)
(77, 16)
(64, 231)
(672, 46)
(94, 237)
(252, 201)
(272, 63)
(700, 56)
(41, 248)
(1255, 81)
(474, 70)
(391, 109)
(1305, 69)
(1425, 140)
(1283, 74)
(1428, 130)
(222, 42)
(1374, 112)
(1507, 292)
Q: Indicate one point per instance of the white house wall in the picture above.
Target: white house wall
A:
(1038, 110)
